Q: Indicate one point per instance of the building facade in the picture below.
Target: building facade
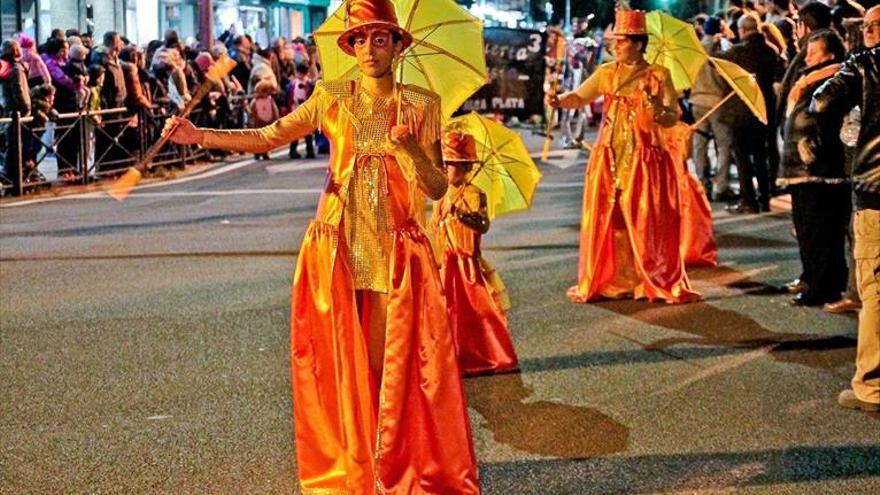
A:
(37, 18)
(144, 20)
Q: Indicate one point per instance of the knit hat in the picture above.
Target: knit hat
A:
(25, 41)
(78, 52)
(712, 26)
(204, 60)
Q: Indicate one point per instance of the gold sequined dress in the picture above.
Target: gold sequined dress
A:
(630, 224)
(367, 234)
(366, 223)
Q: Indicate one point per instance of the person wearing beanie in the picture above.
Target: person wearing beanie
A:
(37, 71)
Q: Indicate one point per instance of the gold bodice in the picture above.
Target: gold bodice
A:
(370, 189)
(367, 216)
(630, 90)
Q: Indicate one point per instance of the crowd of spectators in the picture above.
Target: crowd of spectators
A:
(50, 85)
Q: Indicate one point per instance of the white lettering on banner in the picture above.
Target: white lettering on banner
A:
(500, 103)
(477, 105)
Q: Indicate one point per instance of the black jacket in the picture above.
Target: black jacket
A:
(113, 92)
(857, 83)
(14, 91)
(820, 132)
(795, 66)
(757, 58)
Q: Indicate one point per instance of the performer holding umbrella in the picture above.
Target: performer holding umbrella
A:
(379, 406)
(630, 229)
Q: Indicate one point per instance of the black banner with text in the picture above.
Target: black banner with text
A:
(515, 58)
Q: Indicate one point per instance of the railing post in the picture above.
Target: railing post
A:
(16, 126)
(84, 146)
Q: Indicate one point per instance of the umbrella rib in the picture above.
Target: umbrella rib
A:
(430, 83)
(411, 14)
(443, 23)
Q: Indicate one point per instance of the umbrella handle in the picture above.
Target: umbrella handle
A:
(711, 111)
(399, 92)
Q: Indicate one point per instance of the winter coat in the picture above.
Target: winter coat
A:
(14, 92)
(708, 89)
(113, 92)
(169, 59)
(757, 58)
(858, 83)
(66, 87)
(820, 133)
(136, 97)
(38, 73)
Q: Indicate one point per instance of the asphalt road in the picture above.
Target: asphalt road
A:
(144, 349)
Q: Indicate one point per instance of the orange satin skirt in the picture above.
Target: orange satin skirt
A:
(477, 316)
(650, 216)
(697, 240)
(417, 440)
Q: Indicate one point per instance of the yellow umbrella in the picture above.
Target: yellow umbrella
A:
(742, 85)
(673, 44)
(446, 55)
(507, 173)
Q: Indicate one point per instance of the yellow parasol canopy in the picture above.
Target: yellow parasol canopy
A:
(446, 55)
(673, 44)
(506, 172)
(743, 85)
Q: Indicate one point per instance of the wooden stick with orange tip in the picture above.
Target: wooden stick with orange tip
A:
(552, 93)
(120, 188)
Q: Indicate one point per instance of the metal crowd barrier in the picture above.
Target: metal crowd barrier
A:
(96, 144)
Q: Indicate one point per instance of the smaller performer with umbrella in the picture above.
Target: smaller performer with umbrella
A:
(476, 298)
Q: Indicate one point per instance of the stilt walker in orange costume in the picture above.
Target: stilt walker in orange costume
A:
(630, 229)
(475, 296)
(378, 400)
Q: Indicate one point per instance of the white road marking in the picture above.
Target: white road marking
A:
(309, 165)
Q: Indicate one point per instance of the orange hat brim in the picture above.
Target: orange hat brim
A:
(342, 40)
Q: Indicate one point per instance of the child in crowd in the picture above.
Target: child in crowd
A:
(475, 296)
(96, 82)
(77, 70)
(263, 110)
(298, 91)
(42, 103)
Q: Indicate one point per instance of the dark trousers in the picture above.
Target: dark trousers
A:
(310, 146)
(12, 162)
(750, 152)
(821, 215)
(68, 149)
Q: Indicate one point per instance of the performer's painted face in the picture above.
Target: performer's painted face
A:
(375, 51)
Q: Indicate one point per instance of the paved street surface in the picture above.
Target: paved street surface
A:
(145, 350)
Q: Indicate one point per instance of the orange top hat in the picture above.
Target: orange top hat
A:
(363, 14)
(459, 147)
(629, 22)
